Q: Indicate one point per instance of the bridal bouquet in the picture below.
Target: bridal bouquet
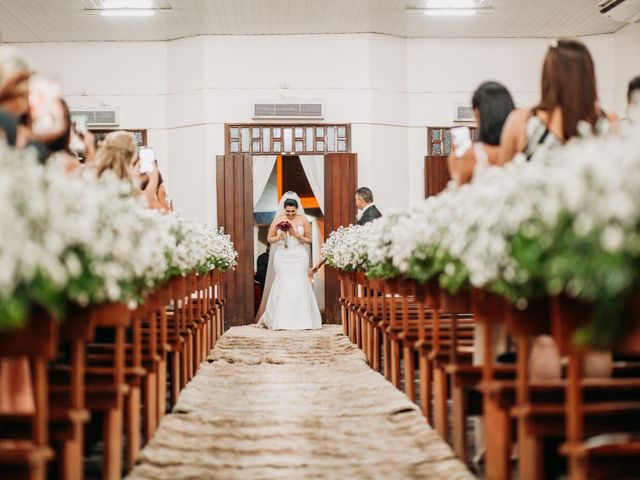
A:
(284, 227)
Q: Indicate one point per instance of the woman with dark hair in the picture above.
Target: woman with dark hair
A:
(568, 97)
(491, 104)
(288, 301)
(55, 146)
(162, 195)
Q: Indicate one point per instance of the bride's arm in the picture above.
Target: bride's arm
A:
(274, 236)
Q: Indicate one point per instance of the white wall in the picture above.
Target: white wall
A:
(129, 76)
(627, 62)
(443, 72)
(389, 89)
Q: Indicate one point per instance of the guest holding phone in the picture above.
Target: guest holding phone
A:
(491, 103)
(148, 163)
(119, 153)
(14, 93)
(163, 198)
(83, 144)
(58, 143)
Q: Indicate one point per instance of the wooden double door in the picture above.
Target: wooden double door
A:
(234, 186)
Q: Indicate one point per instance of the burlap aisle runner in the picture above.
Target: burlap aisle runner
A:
(290, 405)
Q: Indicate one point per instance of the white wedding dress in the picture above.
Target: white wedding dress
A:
(291, 304)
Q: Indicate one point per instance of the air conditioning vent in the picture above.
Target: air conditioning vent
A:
(621, 10)
(287, 110)
(103, 117)
(463, 113)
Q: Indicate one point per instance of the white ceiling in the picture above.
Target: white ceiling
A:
(65, 20)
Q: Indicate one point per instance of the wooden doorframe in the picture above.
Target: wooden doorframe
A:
(340, 178)
(281, 151)
(436, 174)
(234, 192)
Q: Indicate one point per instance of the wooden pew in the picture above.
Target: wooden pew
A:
(411, 329)
(107, 360)
(68, 412)
(24, 435)
(106, 384)
(615, 453)
(541, 406)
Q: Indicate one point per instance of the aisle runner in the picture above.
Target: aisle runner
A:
(291, 405)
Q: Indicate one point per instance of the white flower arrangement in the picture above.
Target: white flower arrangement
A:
(346, 248)
(74, 239)
(198, 247)
(567, 222)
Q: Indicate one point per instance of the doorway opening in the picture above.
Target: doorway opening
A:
(236, 175)
(287, 174)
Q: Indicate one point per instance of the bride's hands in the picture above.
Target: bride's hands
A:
(293, 231)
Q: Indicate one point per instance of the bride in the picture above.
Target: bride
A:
(288, 302)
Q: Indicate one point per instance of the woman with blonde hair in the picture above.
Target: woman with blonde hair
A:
(119, 153)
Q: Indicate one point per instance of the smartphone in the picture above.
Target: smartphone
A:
(76, 144)
(45, 106)
(147, 160)
(81, 124)
(461, 140)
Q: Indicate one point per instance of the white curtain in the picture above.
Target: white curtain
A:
(262, 167)
(313, 166)
(316, 243)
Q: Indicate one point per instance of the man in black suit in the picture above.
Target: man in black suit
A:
(364, 202)
(368, 213)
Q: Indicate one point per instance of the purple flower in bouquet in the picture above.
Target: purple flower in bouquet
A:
(284, 227)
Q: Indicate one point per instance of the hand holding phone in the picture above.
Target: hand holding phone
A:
(461, 140)
(147, 160)
(80, 125)
(45, 107)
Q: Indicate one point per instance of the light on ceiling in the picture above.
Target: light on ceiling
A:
(454, 8)
(114, 4)
(127, 12)
(452, 4)
(450, 12)
(127, 8)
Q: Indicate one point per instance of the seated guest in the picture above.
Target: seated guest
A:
(364, 202)
(119, 154)
(161, 192)
(569, 96)
(16, 122)
(261, 268)
(83, 145)
(491, 104)
(8, 128)
(14, 92)
(167, 205)
(58, 144)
